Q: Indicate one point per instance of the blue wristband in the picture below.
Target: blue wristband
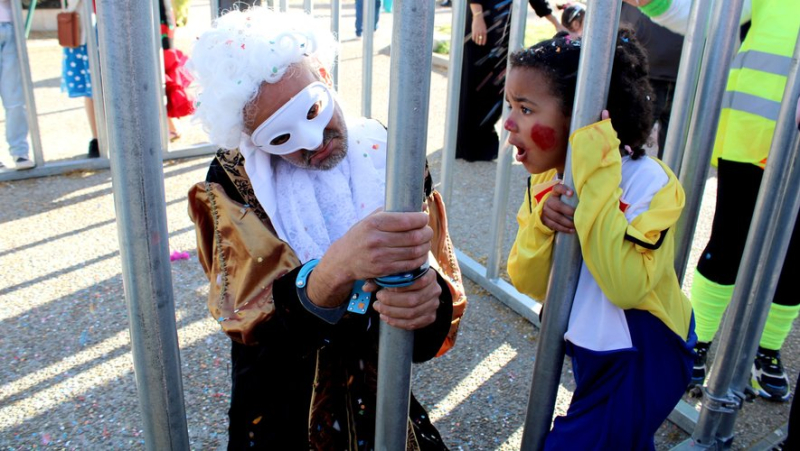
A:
(329, 315)
(402, 279)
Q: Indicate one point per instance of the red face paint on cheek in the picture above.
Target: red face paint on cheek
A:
(544, 137)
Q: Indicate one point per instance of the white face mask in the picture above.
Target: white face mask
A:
(289, 128)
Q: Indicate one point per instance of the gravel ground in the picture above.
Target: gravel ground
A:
(66, 373)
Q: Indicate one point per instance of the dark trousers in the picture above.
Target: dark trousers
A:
(360, 15)
(737, 190)
(622, 397)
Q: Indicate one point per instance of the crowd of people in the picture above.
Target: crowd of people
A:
(303, 264)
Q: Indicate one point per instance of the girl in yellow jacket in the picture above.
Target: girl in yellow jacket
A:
(631, 330)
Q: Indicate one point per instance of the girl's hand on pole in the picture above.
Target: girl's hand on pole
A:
(556, 214)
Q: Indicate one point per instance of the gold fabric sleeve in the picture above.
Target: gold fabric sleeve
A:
(446, 264)
(240, 260)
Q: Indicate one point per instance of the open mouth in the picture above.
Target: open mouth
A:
(520, 155)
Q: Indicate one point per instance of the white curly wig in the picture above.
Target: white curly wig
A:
(242, 50)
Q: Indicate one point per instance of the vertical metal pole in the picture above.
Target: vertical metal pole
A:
(96, 77)
(755, 327)
(284, 5)
(453, 97)
(308, 7)
(129, 71)
(591, 94)
(686, 84)
(409, 95)
(215, 12)
(704, 122)
(29, 19)
(336, 15)
(368, 27)
(767, 242)
(160, 90)
(27, 84)
(505, 154)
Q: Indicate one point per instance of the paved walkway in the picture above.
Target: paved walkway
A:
(66, 374)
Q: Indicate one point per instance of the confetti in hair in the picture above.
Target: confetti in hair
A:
(242, 50)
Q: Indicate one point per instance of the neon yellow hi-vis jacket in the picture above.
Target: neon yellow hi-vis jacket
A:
(632, 262)
(754, 90)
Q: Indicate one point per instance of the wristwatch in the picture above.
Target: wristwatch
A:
(330, 315)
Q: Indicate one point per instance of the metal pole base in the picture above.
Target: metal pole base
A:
(94, 164)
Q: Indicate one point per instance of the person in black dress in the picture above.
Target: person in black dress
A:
(483, 75)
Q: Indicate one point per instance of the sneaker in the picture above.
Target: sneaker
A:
(23, 163)
(700, 369)
(94, 149)
(768, 377)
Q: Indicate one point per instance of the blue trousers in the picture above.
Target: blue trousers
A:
(622, 397)
(360, 15)
(12, 94)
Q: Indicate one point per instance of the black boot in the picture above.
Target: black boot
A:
(94, 149)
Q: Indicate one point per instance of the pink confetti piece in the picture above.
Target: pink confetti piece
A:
(177, 255)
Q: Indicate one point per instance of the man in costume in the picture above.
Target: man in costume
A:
(289, 227)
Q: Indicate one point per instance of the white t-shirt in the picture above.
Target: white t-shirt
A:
(595, 323)
(5, 11)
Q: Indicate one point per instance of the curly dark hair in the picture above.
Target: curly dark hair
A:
(630, 97)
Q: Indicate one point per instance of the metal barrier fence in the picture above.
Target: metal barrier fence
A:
(133, 132)
(43, 166)
(767, 243)
(138, 180)
(488, 276)
(147, 277)
(591, 96)
(697, 104)
(409, 93)
(686, 85)
(703, 126)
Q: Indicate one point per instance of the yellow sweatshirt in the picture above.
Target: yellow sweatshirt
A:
(624, 217)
